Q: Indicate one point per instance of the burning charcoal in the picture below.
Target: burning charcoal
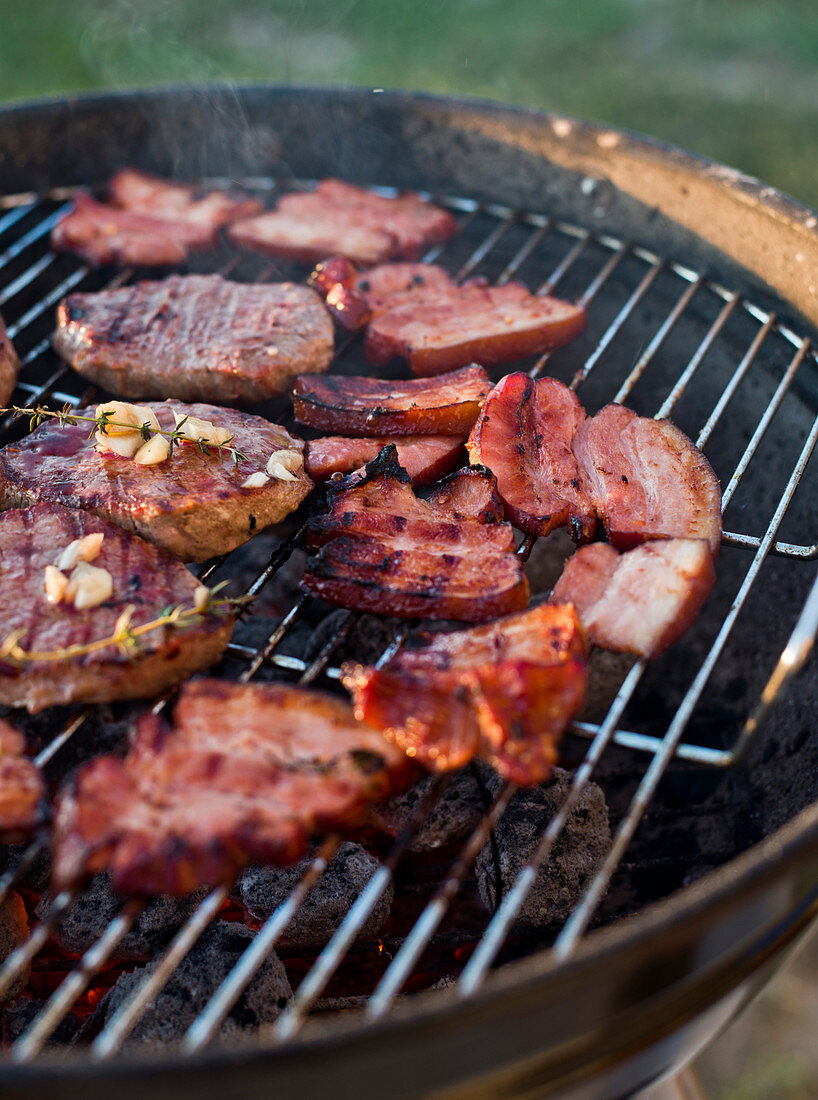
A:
(560, 882)
(97, 905)
(453, 816)
(13, 932)
(21, 1014)
(194, 982)
(263, 889)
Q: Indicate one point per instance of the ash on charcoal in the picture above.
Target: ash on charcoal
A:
(13, 932)
(194, 982)
(263, 889)
(454, 815)
(21, 1014)
(368, 637)
(581, 844)
(97, 906)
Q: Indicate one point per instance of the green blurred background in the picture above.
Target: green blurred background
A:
(736, 80)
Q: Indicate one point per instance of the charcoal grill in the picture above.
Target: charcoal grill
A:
(700, 287)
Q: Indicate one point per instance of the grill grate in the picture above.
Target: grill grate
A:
(631, 292)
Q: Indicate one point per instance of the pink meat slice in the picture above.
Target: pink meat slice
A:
(426, 458)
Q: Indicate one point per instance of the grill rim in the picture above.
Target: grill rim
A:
(779, 854)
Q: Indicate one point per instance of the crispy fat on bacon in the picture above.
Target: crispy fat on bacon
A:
(22, 790)
(148, 221)
(504, 692)
(641, 601)
(247, 773)
(446, 405)
(383, 549)
(340, 219)
(524, 436)
(426, 458)
(646, 480)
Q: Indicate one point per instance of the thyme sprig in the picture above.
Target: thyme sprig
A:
(65, 416)
(125, 636)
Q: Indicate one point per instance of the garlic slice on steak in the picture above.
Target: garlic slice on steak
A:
(153, 452)
(55, 584)
(124, 436)
(284, 465)
(89, 586)
(87, 548)
(195, 429)
(255, 481)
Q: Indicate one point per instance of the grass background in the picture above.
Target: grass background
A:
(736, 80)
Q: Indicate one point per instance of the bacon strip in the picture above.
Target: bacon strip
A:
(384, 550)
(426, 458)
(524, 436)
(246, 774)
(646, 480)
(448, 405)
(22, 790)
(339, 218)
(641, 601)
(504, 692)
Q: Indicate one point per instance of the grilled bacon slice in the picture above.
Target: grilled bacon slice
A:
(148, 221)
(22, 790)
(426, 458)
(504, 692)
(144, 580)
(353, 298)
(246, 773)
(641, 601)
(524, 436)
(446, 405)
(384, 550)
(646, 480)
(339, 218)
(9, 365)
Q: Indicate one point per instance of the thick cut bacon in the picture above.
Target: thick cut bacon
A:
(247, 773)
(22, 790)
(148, 221)
(339, 218)
(504, 691)
(641, 601)
(426, 458)
(9, 365)
(646, 480)
(524, 436)
(384, 550)
(446, 405)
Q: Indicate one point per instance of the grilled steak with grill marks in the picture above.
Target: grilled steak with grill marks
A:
(446, 405)
(9, 365)
(504, 691)
(382, 549)
(246, 774)
(339, 218)
(22, 790)
(193, 504)
(143, 578)
(196, 337)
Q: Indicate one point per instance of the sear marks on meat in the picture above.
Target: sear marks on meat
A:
(22, 790)
(196, 338)
(382, 549)
(9, 365)
(416, 312)
(446, 405)
(426, 458)
(193, 504)
(504, 692)
(143, 578)
(646, 480)
(641, 601)
(524, 436)
(148, 221)
(246, 774)
(339, 218)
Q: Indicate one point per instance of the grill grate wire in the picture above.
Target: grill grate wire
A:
(59, 386)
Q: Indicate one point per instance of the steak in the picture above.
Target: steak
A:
(247, 773)
(196, 338)
(9, 365)
(144, 579)
(193, 504)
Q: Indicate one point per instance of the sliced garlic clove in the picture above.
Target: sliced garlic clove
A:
(201, 595)
(89, 586)
(153, 452)
(126, 417)
(194, 429)
(125, 446)
(55, 584)
(88, 548)
(256, 480)
(289, 460)
(279, 472)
